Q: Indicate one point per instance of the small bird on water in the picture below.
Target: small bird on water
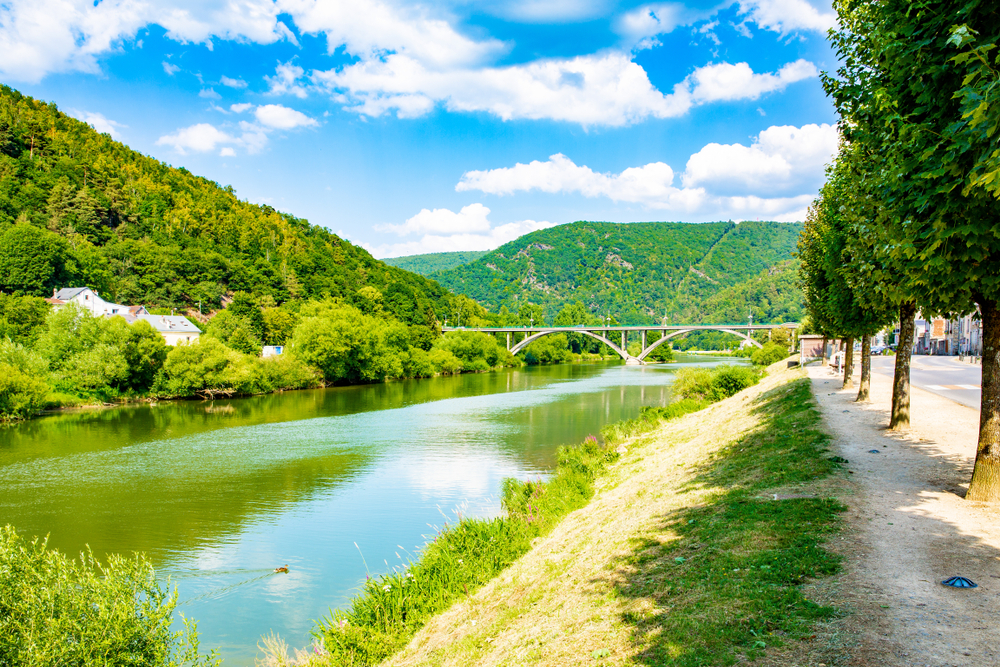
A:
(283, 568)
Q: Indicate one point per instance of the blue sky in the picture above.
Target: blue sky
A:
(456, 125)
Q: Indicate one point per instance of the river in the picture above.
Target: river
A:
(332, 482)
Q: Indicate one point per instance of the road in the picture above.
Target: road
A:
(944, 376)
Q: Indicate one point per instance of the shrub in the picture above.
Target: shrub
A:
(551, 349)
(22, 394)
(468, 346)
(771, 352)
(728, 380)
(57, 611)
(693, 383)
(444, 361)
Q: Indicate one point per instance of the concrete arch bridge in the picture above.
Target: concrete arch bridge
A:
(604, 334)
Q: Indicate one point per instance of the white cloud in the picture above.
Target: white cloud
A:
(776, 176)
(639, 26)
(780, 159)
(785, 16)
(472, 218)
(605, 89)
(284, 80)
(199, 138)
(485, 239)
(98, 122)
(282, 118)
(38, 37)
(727, 82)
(170, 69)
(443, 230)
(252, 137)
(232, 83)
(209, 93)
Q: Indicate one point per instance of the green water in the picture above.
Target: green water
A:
(218, 494)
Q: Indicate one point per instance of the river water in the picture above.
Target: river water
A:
(332, 482)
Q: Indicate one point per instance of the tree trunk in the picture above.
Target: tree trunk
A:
(901, 379)
(866, 368)
(848, 363)
(985, 484)
(823, 352)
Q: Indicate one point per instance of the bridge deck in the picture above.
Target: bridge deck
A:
(643, 327)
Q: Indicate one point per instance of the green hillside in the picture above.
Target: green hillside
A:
(433, 262)
(77, 207)
(641, 272)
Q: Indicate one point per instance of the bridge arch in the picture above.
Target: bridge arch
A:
(533, 337)
(655, 344)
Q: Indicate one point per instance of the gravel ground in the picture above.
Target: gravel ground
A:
(910, 528)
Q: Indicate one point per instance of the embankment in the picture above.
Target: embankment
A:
(694, 550)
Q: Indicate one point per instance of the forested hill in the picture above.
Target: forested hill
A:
(641, 272)
(433, 262)
(78, 208)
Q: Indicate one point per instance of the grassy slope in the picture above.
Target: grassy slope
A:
(638, 271)
(682, 558)
(434, 261)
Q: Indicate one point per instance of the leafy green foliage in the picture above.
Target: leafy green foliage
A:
(21, 318)
(57, 611)
(77, 207)
(771, 352)
(460, 559)
(22, 385)
(638, 272)
(714, 384)
(476, 350)
(433, 262)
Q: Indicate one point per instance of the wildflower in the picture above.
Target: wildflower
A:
(387, 587)
(409, 575)
(459, 561)
(342, 623)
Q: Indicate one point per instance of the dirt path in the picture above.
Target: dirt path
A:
(911, 528)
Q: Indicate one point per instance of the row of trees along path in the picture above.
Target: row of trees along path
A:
(909, 218)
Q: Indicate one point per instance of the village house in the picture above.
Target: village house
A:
(90, 301)
(174, 328)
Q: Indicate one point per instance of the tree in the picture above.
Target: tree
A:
(904, 95)
(31, 260)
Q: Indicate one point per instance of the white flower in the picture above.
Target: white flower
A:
(459, 561)
(387, 587)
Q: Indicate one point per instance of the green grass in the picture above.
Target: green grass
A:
(729, 585)
(460, 559)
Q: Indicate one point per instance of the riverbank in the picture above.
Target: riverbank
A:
(693, 550)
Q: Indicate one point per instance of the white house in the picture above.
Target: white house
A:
(174, 328)
(90, 300)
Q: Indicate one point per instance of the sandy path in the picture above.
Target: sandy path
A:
(912, 527)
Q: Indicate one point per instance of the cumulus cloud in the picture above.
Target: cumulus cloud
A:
(282, 118)
(284, 81)
(641, 25)
(443, 230)
(252, 136)
(98, 122)
(38, 37)
(776, 175)
(200, 138)
(232, 83)
(605, 89)
(785, 16)
(780, 159)
(209, 93)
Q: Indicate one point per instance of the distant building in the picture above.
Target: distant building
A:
(174, 328)
(272, 350)
(91, 301)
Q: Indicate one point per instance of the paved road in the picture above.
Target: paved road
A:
(944, 376)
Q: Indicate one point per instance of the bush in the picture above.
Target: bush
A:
(57, 611)
(21, 393)
(714, 384)
(771, 352)
(468, 346)
(551, 349)
(444, 361)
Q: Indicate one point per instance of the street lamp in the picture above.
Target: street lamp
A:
(531, 322)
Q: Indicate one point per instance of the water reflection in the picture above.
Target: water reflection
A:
(218, 494)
